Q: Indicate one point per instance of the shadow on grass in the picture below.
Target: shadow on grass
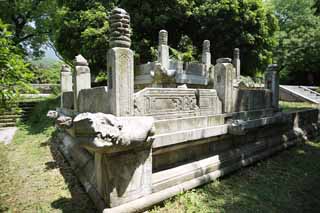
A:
(38, 123)
(287, 182)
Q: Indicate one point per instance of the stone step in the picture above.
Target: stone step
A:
(12, 116)
(11, 124)
(7, 120)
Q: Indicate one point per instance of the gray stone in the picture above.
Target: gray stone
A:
(272, 83)
(165, 102)
(94, 100)
(109, 133)
(163, 50)
(81, 78)
(206, 55)
(65, 81)
(120, 81)
(236, 62)
(224, 74)
(223, 60)
(120, 28)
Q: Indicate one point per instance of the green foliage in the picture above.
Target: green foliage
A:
(46, 73)
(226, 23)
(82, 27)
(29, 20)
(299, 41)
(14, 72)
(316, 6)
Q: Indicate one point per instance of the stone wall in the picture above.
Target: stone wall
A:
(200, 160)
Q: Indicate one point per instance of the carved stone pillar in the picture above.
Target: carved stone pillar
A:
(81, 78)
(236, 62)
(163, 49)
(224, 74)
(120, 65)
(122, 149)
(272, 83)
(65, 81)
(206, 55)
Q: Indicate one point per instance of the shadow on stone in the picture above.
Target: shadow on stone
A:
(79, 201)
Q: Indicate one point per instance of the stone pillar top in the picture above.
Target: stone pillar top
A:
(80, 61)
(163, 37)
(65, 68)
(236, 53)
(206, 46)
(223, 60)
(272, 68)
(120, 28)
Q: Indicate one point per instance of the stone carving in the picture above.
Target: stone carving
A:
(60, 119)
(109, 130)
(120, 28)
(80, 61)
(206, 46)
(163, 37)
(65, 68)
(165, 102)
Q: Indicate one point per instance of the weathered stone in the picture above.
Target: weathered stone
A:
(236, 62)
(94, 100)
(206, 55)
(272, 83)
(120, 28)
(65, 81)
(223, 60)
(110, 133)
(163, 49)
(67, 100)
(81, 78)
(120, 81)
(224, 74)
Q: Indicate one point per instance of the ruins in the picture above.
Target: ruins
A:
(166, 126)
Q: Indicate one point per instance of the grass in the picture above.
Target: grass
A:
(35, 178)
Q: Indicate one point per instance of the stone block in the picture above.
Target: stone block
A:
(94, 100)
(121, 81)
(67, 100)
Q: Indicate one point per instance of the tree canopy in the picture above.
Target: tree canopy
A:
(298, 49)
(14, 72)
(82, 27)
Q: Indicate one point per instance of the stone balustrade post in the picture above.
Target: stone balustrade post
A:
(236, 62)
(163, 49)
(206, 55)
(224, 74)
(81, 78)
(123, 173)
(272, 83)
(65, 81)
(120, 65)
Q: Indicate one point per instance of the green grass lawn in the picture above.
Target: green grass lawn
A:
(35, 178)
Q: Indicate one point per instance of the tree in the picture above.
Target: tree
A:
(29, 21)
(316, 6)
(298, 49)
(82, 27)
(228, 24)
(14, 72)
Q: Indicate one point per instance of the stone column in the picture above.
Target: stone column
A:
(224, 74)
(120, 65)
(65, 81)
(206, 55)
(272, 83)
(163, 50)
(236, 62)
(81, 78)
